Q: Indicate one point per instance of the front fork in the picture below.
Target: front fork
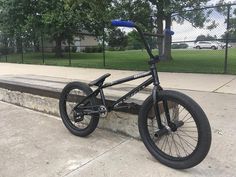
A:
(171, 125)
(156, 107)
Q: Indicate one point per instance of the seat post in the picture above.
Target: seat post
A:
(102, 97)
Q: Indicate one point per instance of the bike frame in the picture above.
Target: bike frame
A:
(153, 79)
(121, 100)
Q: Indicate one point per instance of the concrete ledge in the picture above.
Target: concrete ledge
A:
(50, 92)
(45, 99)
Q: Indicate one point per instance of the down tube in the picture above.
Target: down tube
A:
(132, 93)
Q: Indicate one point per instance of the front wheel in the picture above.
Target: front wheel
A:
(183, 142)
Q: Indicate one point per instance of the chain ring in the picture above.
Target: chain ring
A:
(104, 111)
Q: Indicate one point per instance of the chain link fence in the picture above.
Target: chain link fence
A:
(44, 51)
(215, 41)
(209, 48)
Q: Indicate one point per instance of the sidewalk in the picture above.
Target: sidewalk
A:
(36, 144)
(187, 81)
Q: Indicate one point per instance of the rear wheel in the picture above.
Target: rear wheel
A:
(72, 113)
(185, 142)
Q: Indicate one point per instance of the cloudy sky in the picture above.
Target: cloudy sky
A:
(215, 1)
(186, 32)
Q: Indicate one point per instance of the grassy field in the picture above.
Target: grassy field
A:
(197, 61)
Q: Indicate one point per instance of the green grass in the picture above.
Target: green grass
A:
(197, 61)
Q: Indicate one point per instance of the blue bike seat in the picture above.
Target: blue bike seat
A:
(99, 80)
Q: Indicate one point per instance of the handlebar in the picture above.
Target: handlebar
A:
(131, 24)
(121, 23)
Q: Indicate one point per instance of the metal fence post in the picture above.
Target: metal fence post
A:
(227, 40)
(69, 55)
(103, 47)
(42, 47)
(22, 52)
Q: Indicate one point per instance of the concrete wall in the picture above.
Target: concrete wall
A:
(120, 122)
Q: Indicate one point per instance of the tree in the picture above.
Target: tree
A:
(58, 20)
(117, 38)
(134, 40)
(231, 33)
(12, 21)
(206, 38)
(100, 14)
(164, 11)
(63, 19)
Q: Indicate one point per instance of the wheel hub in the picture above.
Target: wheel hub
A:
(173, 127)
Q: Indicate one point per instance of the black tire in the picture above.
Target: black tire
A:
(198, 47)
(84, 127)
(151, 139)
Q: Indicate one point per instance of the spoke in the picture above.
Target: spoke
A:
(188, 143)
(165, 142)
(186, 135)
(188, 131)
(192, 137)
(162, 144)
(189, 122)
(169, 147)
(185, 116)
(187, 119)
(177, 153)
(181, 110)
(182, 144)
(188, 127)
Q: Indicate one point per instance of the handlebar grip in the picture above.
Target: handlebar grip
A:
(169, 32)
(121, 23)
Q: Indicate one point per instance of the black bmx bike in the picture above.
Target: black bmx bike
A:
(172, 126)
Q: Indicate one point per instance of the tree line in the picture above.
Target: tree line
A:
(61, 20)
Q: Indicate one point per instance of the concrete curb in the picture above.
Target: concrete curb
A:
(122, 122)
